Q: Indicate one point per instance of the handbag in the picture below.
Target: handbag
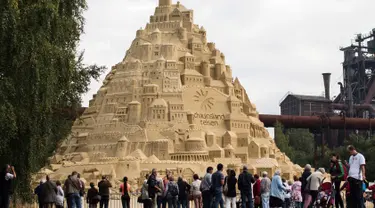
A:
(96, 199)
(257, 200)
(225, 189)
(140, 200)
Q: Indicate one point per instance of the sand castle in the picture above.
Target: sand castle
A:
(171, 104)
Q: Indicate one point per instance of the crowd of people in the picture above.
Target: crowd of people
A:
(212, 190)
(309, 190)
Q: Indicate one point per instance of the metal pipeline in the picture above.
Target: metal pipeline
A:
(312, 122)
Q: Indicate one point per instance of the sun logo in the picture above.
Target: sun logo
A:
(206, 103)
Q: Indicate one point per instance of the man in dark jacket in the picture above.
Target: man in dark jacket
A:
(49, 190)
(72, 189)
(38, 192)
(245, 179)
(153, 187)
(104, 186)
(184, 189)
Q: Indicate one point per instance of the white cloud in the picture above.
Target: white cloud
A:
(274, 46)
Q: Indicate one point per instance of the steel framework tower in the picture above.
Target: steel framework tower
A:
(357, 93)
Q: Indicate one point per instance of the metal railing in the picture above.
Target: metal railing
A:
(114, 202)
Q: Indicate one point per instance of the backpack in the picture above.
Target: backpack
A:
(173, 189)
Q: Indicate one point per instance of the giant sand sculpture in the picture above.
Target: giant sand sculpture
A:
(170, 104)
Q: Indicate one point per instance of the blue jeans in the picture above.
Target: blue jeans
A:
(172, 202)
(182, 203)
(218, 199)
(247, 197)
(265, 200)
(75, 200)
(159, 201)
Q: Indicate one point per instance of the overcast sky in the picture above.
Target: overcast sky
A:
(273, 46)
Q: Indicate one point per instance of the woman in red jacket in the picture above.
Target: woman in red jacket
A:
(256, 192)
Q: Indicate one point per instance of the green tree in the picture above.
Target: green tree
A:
(298, 144)
(282, 141)
(302, 143)
(41, 73)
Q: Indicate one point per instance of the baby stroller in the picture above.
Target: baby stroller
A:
(326, 196)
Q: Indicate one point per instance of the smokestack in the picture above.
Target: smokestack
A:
(327, 80)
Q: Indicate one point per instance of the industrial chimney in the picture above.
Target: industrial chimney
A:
(326, 80)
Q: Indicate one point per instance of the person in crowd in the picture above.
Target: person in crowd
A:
(153, 187)
(356, 176)
(277, 191)
(164, 200)
(144, 198)
(104, 186)
(217, 186)
(314, 182)
(72, 189)
(66, 190)
(337, 172)
(347, 193)
(297, 192)
(38, 192)
(265, 189)
(183, 190)
(81, 185)
(125, 193)
(7, 175)
(196, 192)
(372, 189)
(160, 194)
(257, 192)
(230, 196)
(245, 181)
(49, 190)
(93, 197)
(59, 196)
(288, 189)
(206, 188)
(172, 193)
(306, 173)
(225, 187)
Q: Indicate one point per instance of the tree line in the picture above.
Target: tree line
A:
(299, 146)
(41, 73)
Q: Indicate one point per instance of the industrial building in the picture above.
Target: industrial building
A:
(304, 105)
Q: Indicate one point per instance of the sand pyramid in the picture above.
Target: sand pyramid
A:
(174, 100)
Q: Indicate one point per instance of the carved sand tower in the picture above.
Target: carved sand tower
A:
(171, 103)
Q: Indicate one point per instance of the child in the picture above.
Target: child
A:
(297, 192)
(59, 196)
(93, 197)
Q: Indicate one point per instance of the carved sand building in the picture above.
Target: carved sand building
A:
(171, 103)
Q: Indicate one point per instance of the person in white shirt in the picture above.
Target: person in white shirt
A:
(6, 177)
(356, 176)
